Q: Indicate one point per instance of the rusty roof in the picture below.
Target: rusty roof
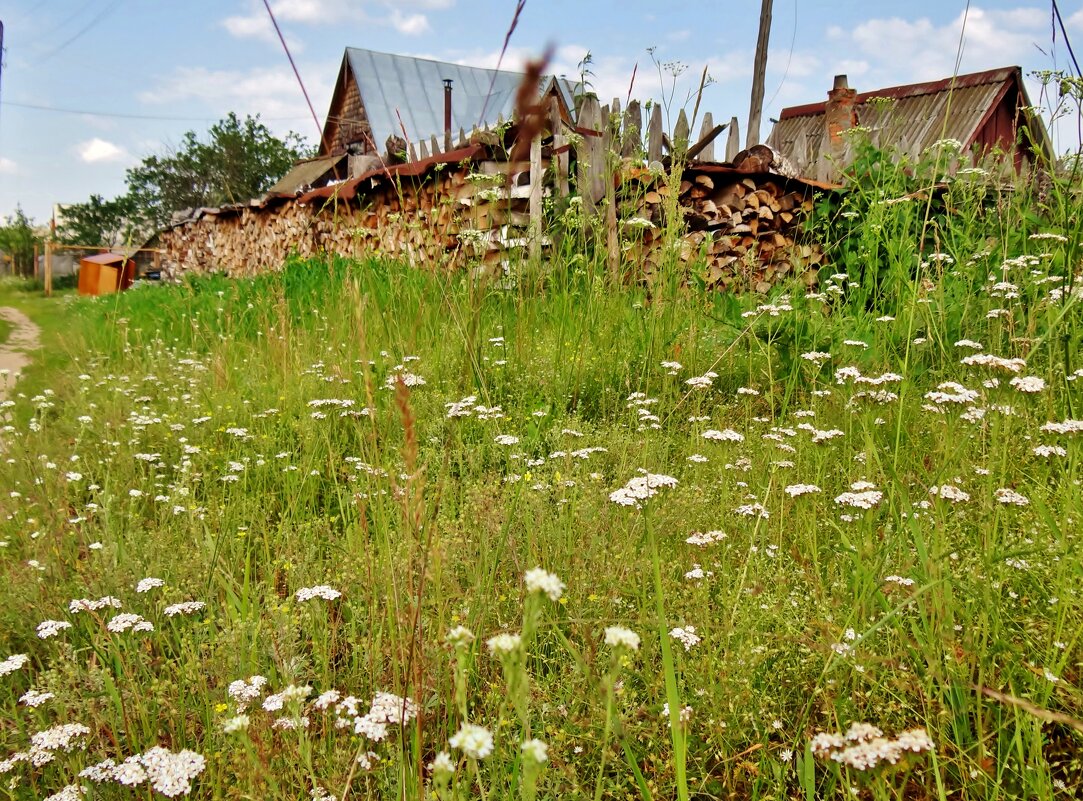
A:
(950, 108)
(347, 190)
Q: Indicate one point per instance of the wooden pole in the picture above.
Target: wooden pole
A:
(755, 110)
(536, 178)
(48, 269)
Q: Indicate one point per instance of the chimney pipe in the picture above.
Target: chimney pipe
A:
(447, 114)
(840, 115)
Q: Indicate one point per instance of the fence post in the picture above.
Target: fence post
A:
(631, 138)
(654, 135)
(560, 160)
(536, 180)
(48, 269)
(707, 154)
(733, 142)
(590, 156)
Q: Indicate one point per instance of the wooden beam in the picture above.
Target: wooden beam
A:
(759, 70)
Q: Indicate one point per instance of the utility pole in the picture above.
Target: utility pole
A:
(758, 70)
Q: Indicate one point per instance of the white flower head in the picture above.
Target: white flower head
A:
(540, 580)
(620, 637)
(473, 740)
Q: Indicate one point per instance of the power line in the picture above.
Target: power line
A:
(289, 55)
(1064, 33)
(126, 115)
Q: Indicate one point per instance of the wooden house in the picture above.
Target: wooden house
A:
(988, 113)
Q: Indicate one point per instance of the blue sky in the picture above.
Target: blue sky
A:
(196, 60)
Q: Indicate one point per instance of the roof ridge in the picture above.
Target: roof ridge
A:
(435, 61)
(914, 89)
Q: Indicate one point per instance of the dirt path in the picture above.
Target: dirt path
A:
(15, 352)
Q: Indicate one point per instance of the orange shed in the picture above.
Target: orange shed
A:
(103, 273)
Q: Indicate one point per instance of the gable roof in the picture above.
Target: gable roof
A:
(956, 107)
(410, 89)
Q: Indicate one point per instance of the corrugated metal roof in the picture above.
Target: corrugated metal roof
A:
(918, 116)
(304, 174)
(394, 87)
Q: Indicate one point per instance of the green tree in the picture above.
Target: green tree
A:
(240, 160)
(102, 222)
(17, 241)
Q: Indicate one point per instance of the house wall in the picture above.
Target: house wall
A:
(347, 122)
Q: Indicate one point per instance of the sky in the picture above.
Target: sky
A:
(90, 87)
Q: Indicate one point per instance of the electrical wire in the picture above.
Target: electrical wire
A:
(789, 58)
(105, 12)
(282, 39)
(1064, 33)
(127, 115)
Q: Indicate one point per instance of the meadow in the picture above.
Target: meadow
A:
(358, 530)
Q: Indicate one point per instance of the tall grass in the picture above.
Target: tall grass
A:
(243, 440)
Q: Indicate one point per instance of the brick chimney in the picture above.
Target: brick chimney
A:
(839, 114)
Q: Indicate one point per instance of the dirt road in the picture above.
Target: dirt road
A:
(15, 352)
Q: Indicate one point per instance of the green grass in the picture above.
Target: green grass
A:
(181, 438)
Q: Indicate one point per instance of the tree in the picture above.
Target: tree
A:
(101, 222)
(17, 241)
(240, 160)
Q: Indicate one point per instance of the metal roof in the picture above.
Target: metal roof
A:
(920, 114)
(395, 87)
(304, 174)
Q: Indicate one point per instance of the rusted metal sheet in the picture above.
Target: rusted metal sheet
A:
(913, 117)
(347, 190)
(305, 174)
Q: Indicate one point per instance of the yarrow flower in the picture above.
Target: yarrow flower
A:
(539, 580)
(319, 591)
(1010, 497)
(686, 636)
(1028, 384)
(620, 637)
(184, 608)
(795, 490)
(459, 637)
(50, 628)
(473, 740)
(535, 750)
(860, 500)
(129, 621)
(640, 488)
(726, 435)
(865, 748)
(148, 584)
(13, 663)
(503, 643)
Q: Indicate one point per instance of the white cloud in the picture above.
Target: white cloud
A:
(915, 50)
(272, 93)
(409, 24)
(399, 14)
(7, 166)
(98, 150)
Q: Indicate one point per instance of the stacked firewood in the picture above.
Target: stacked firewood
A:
(743, 228)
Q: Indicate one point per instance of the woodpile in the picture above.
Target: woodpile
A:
(739, 228)
(744, 228)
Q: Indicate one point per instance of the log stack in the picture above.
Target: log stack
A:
(745, 228)
(739, 229)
